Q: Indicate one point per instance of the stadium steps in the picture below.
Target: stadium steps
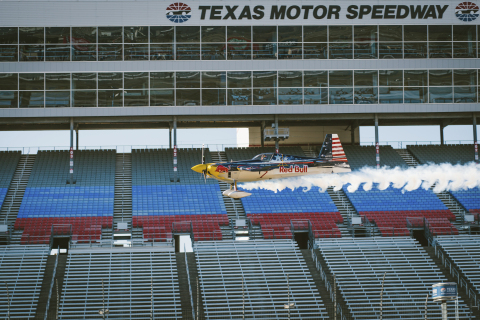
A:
(59, 275)
(185, 301)
(16, 236)
(15, 193)
(193, 270)
(462, 294)
(407, 157)
(309, 151)
(456, 209)
(122, 205)
(317, 279)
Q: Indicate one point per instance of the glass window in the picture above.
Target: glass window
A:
(365, 50)
(162, 80)
(315, 78)
(290, 96)
(390, 33)
(414, 78)
(440, 77)
(161, 34)
(341, 95)
(9, 53)
(239, 79)
(57, 52)
(57, 35)
(135, 98)
(214, 97)
(264, 34)
(265, 51)
(213, 34)
(162, 98)
(464, 33)
(135, 80)
(110, 34)
(239, 34)
(8, 99)
(214, 79)
(340, 33)
(391, 95)
(315, 96)
(57, 81)
(213, 51)
(366, 78)
(315, 50)
(110, 52)
(367, 95)
(110, 98)
(57, 99)
(439, 33)
(342, 78)
(31, 81)
(84, 81)
(390, 50)
(340, 51)
(187, 34)
(188, 97)
(32, 53)
(290, 79)
(290, 50)
(441, 94)
(415, 50)
(188, 80)
(84, 52)
(265, 96)
(31, 35)
(8, 35)
(8, 81)
(315, 33)
(415, 33)
(465, 49)
(84, 99)
(415, 94)
(239, 97)
(290, 34)
(238, 50)
(465, 77)
(136, 52)
(440, 49)
(84, 35)
(465, 94)
(110, 80)
(161, 52)
(188, 51)
(264, 79)
(390, 77)
(365, 33)
(31, 99)
(136, 35)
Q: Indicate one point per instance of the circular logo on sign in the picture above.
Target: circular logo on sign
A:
(467, 11)
(178, 12)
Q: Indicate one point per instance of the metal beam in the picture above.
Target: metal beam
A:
(475, 143)
(262, 133)
(71, 151)
(377, 146)
(76, 137)
(276, 134)
(442, 139)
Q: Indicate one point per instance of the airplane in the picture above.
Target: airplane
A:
(267, 166)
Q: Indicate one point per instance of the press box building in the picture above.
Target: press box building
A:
(315, 66)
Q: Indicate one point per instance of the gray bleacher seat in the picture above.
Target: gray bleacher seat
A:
(127, 275)
(461, 153)
(236, 154)
(8, 164)
(264, 265)
(359, 266)
(361, 156)
(22, 267)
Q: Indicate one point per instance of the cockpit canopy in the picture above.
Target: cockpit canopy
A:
(263, 157)
(274, 157)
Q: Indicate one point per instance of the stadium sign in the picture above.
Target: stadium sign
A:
(444, 291)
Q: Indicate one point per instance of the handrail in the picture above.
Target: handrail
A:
(189, 285)
(51, 286)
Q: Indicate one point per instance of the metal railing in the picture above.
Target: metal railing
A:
(153, 242)
(189, 283)
(51, 285)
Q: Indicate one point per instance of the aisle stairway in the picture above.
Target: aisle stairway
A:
(122, 206)
(407, 157)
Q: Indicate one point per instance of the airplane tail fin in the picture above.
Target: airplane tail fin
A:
(332, 149)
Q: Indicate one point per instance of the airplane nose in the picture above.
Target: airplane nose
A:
(200, 168)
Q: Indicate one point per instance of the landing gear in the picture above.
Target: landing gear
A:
(234, 193)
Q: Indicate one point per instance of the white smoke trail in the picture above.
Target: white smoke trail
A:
(444, 176)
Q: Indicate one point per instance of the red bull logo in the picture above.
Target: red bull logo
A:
(221, 169)
(292, 169)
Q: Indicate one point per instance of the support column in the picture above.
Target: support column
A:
(170, 135)
(475, 143)
(442, 139)
(377, 146)
(276, 134)
(71, 151)
(262, 133)
(175, 149)
(76, 137)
